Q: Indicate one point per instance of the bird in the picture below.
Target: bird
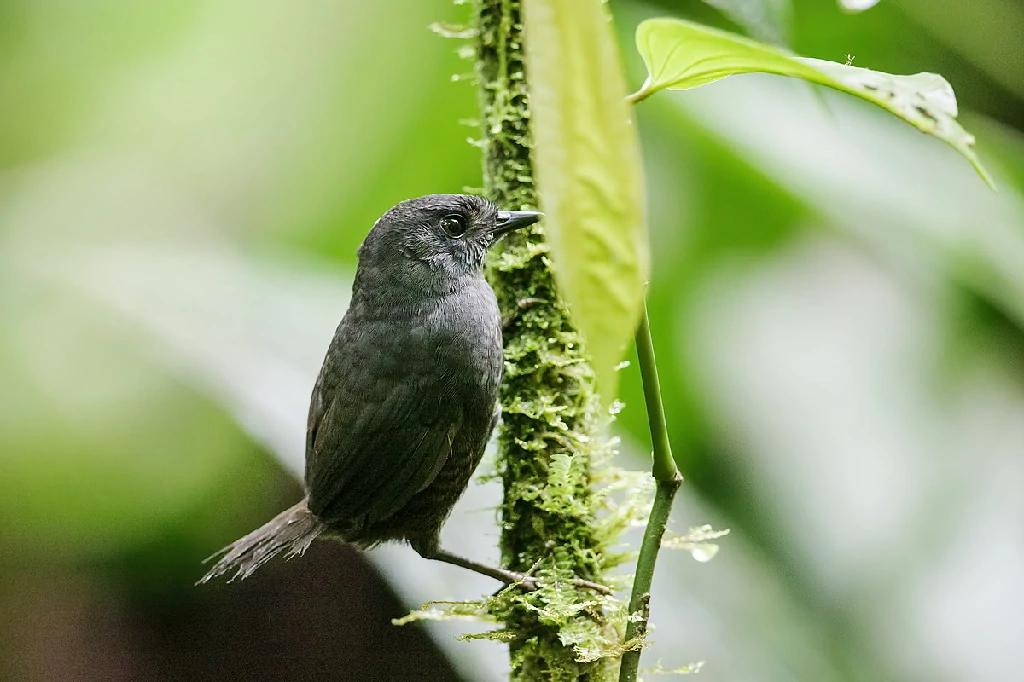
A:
(407, 397)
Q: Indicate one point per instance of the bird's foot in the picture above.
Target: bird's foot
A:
(531, 582)
(527, 580)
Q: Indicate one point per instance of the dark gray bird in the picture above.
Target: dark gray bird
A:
(407, 397)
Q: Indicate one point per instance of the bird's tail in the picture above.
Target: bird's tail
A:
(291, 532)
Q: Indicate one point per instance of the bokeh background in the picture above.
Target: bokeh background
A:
(837, 301)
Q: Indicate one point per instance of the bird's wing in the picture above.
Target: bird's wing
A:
(378, 443)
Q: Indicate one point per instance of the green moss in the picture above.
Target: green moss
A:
(547, 443)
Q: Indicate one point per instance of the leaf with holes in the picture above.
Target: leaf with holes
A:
(681, 55)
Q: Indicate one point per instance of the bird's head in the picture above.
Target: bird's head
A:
(436, 238)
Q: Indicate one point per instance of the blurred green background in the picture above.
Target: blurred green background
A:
(837, 301)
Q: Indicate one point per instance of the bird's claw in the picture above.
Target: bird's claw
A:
(532, 583)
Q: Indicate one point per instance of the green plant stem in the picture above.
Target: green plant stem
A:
(640, 95)
(669, 479)
(665, 469)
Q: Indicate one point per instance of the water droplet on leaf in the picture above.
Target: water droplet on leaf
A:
(704, 553)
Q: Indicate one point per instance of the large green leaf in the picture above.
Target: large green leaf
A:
(681, 55)
(587, 163)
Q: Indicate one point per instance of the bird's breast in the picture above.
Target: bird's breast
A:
(464, 329)
(454, 336)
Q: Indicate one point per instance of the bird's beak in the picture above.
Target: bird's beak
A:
(513, 220)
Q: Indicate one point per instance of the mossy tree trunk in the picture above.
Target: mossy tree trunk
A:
(548, 399)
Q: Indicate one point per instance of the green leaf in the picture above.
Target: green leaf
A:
(681, 55)
(587, 164)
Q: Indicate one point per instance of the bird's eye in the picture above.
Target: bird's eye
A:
(453, 225)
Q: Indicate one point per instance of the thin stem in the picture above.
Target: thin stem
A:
(665, 470)
(640, 95)
(669, 479)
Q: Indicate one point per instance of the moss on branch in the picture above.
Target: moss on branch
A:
(547, 441)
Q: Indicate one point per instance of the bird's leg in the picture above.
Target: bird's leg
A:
(434, 551)
(505, 576)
